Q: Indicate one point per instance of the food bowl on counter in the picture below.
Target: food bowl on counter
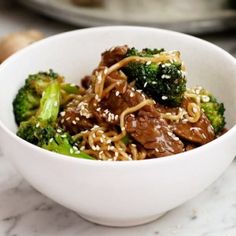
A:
(119, 193)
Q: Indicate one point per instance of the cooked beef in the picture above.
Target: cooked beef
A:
(113, 55)
(148, 129)
(200, 132)
(76, 117)
(189, 146)
(86, 82)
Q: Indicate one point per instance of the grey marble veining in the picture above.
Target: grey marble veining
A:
(26, 212)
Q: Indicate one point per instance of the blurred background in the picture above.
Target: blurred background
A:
(213, 20)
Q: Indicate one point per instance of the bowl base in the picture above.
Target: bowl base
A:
(121, 222)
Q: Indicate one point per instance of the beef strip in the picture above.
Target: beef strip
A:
(113, 55)
(76, 117)
(86, 82)
(148, 129)
(200, 132)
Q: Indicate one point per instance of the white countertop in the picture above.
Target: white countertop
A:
(26, 212)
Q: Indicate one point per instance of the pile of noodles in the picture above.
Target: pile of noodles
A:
(106, 144)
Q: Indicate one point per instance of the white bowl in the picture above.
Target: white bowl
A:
(119, 193)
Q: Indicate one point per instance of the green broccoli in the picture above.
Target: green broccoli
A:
(41, 129)
(146, 52)
(27, 100)
(213, 110)
(164, 82)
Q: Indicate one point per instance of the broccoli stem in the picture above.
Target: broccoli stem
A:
(50, 103)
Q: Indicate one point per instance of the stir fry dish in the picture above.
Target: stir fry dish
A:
(135, 105)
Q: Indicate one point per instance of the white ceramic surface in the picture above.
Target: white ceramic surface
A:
(127, 193)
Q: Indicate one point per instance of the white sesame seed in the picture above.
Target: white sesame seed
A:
(176, 138)
(73, 122)
(148, 63)
(50, 140)
(205, 98)
(117, 93)
(169, 133)
(164, 97)
(131, 94)
(63, 113)
(195, 110)
(145, 84)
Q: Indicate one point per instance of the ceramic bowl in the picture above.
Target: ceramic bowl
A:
(119, 193)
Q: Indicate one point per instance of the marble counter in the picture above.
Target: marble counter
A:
(26, 212)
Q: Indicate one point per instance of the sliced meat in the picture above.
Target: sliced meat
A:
(76, 117)
(148, 129)
(113, 55)
(200, 132)
(86, 82)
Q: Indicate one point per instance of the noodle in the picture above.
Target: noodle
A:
(127, 111)
(163, 57)
(106, 144)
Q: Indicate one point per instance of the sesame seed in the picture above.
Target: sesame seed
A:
(63, 113)
(59, 130)
(50, 140)
(148, 63)
(145, 84)
(131, 94)
(169, 133)
(74, 122)
(205, 98)
(164, 97)
(117, 93)
(195, 110)
(176, 138)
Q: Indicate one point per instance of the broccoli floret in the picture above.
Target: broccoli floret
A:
(25, 104)
(213, 110)
(164, 82)
(42, 129)
(28, 97)
(64, 144)
(146, 52)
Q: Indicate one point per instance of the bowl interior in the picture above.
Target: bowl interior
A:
(76, 54)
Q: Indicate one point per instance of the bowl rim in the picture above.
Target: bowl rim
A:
(173, 157)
